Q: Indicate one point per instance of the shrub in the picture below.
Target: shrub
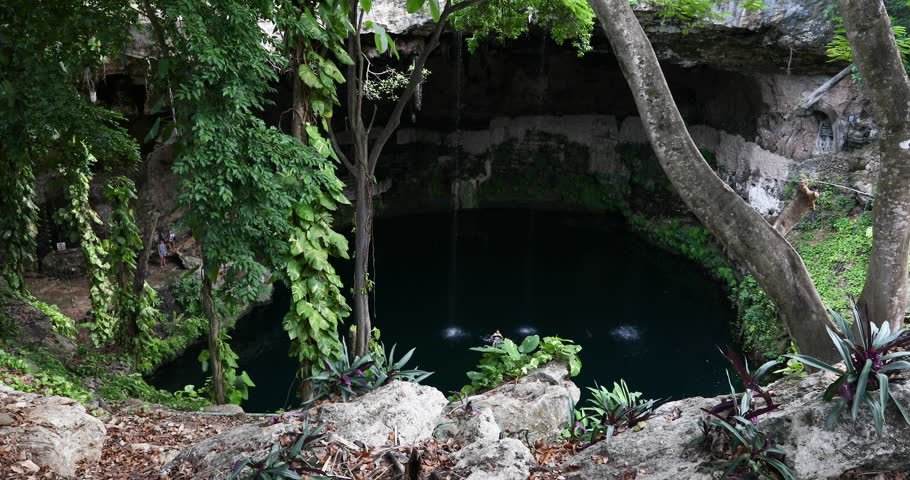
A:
(871, 360)
(507, 360)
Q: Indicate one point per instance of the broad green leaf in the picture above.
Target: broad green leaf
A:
(414, 5)
(309, 76)
(434, 10)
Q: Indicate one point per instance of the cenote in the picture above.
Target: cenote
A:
(445, 282)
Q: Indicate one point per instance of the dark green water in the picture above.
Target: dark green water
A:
(445, 282)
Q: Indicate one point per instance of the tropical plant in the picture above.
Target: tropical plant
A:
(731, 427)
(236, 385)
(872, 356)
(506, 360)
(79, 216)
(284, 462)
(611, 411)
(346, 377)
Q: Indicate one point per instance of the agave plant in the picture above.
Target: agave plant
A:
(871, 363)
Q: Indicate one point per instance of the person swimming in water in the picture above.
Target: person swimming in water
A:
(496, 338)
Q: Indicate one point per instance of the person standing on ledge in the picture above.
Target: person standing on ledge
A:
(162, 253)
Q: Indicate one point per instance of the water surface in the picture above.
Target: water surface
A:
(445, 282)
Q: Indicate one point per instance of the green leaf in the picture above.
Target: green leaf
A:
(380, 37)
(414, 5)
(309, 76)
(366, 5)
(434, 10)
(861, 385)
(529, 344)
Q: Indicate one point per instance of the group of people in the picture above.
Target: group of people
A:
(165, 247)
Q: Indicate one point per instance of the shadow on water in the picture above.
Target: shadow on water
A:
(640, 313)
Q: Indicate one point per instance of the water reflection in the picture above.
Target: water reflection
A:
(628, 333)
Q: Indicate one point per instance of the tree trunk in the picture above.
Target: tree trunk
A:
(301, 104)
(142, 262)
(769, 257)
(363, 219)
(208, 306)
(885, 81)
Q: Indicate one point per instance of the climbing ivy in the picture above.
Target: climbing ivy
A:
(80, 217)
(240, 177)
(123, 243)
(317, 305)
(47, 52)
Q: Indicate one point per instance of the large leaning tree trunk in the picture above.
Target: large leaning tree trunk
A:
(362, 165)
(769, 257)
(876, 56)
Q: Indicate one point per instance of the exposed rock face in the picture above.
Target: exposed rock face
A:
(797, 427)
(537, 403)
(35, 328)
(64, 264)
(407, 409)
(787, 33)
(51, 431)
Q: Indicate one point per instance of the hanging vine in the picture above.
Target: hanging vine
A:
(81, 218)
(317, 305)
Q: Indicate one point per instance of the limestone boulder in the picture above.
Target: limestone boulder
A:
(64, 264)
(797, 427)
(55, 432)
(409, 411)
(506, 459)
(537, 403)
(214, 457)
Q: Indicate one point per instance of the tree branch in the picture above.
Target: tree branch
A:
(799, 206)
(341, 156)
(413, 82)
(820, 91)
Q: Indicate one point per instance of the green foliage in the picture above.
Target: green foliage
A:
(61, 324)
(695, 13)
(835, 245)
(317, 305)
(240, 177)
(345, 377)
(506, 360)
(610, 412)
(41, 109)
(730, 430)
(312, 30)
(284, 462)
(16, 373)
(51, 377)
(387, 85)
(793, 369)
(236, 385)
(758, 326)
(871, 357)
(567, 20)
(695, 242)
(81, 218)
(186, 293)
(839, 49)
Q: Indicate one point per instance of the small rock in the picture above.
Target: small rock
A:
(228, 408)
(6, 420)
